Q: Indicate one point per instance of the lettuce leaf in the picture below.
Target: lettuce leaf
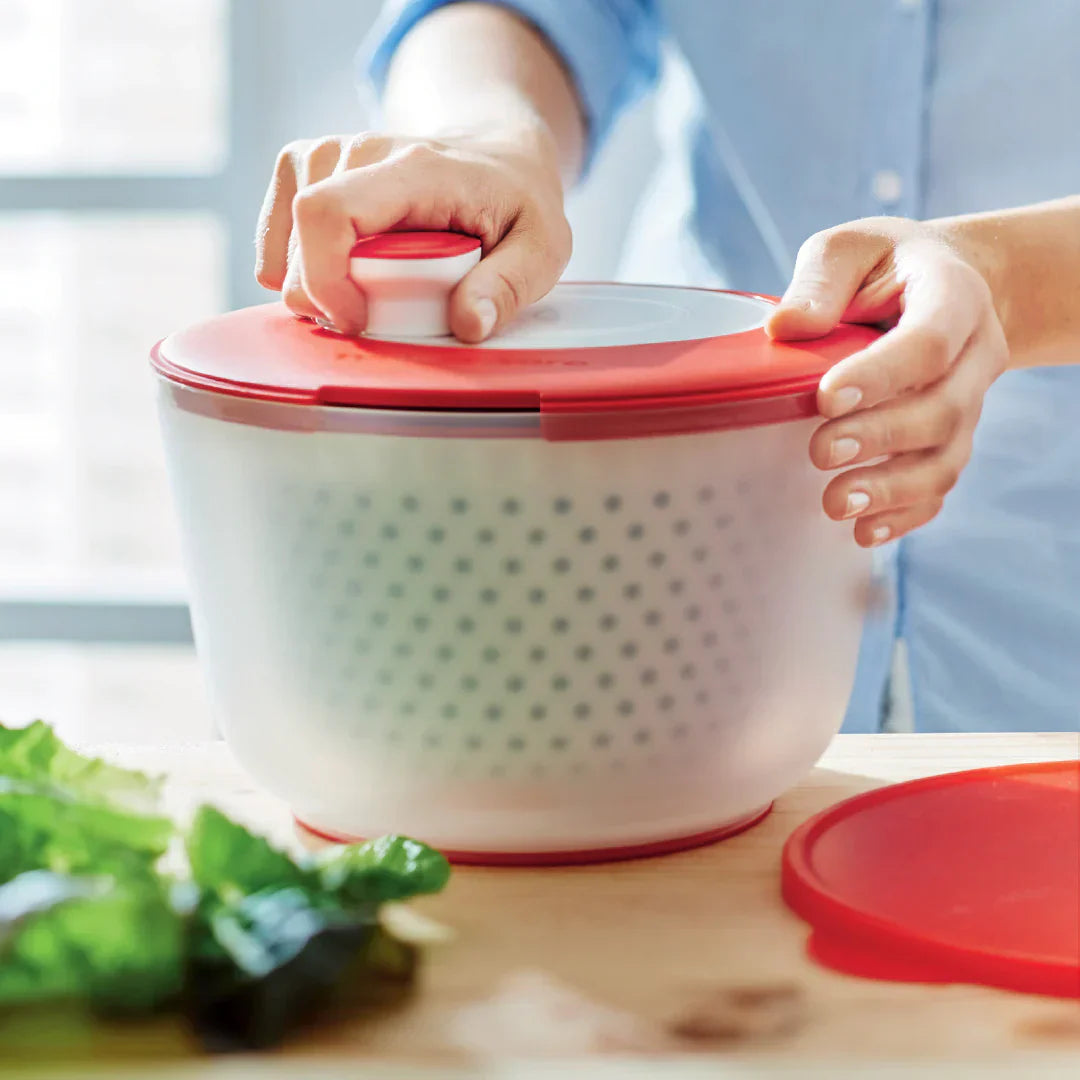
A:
(36, 754)
(117, 946)
(250, 946)
(43, 829)
(84, 915)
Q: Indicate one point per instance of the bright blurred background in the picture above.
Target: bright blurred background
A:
(136, 139)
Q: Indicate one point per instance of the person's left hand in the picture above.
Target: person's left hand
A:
(914, 396)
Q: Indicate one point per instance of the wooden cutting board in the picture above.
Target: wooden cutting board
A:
(683, 964)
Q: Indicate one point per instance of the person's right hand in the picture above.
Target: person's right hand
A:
(326, 193)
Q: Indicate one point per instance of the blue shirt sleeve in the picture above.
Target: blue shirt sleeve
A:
(610, 47)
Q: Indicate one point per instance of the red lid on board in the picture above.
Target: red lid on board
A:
(970, 877)
(586, 348)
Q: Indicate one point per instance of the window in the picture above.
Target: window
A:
(136, 139)
(109, 111)
(117, 220)
(113, 87)
(82, 491)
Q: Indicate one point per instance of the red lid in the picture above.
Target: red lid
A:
(969, 877)
(414, 245)
(585, 348)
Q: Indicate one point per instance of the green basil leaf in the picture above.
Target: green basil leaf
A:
(227, 859)
(390, 868)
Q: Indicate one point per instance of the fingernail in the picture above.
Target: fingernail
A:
(487, 313)
(843, 401)
(881, 534)
(843, 450)
(326, 324)
(857, 502)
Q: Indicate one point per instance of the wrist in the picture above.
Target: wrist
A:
(523, 137)
(975, 240)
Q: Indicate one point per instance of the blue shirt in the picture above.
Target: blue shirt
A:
(782, 117)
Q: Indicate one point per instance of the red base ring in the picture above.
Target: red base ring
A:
(575, 857)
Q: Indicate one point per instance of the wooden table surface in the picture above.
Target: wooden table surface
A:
(592, 971)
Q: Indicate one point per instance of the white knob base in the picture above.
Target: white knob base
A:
(410, 298)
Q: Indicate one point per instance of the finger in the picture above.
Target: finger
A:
(274, 226)
(318, 161)
(292, 292)
(923, 420)
(829, 270)
(899, 482)
(943, 307)
(521, 269)
(358, 152)
(331, 214)
(877, 529)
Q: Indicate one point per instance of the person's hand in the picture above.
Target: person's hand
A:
(914, 396)
(325, 193)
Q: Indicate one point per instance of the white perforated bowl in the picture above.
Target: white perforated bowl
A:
(594, 626)
(506, 645)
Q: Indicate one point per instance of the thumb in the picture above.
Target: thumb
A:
(829, 270)
(517, 272)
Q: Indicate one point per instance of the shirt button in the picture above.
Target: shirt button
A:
(888, 187)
